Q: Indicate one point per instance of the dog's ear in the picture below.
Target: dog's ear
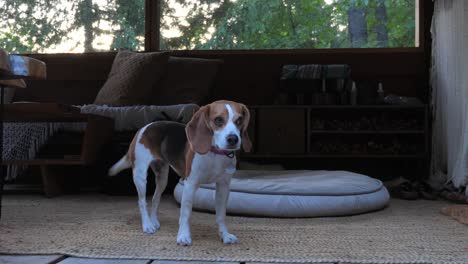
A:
(246, 142)
(199, 133)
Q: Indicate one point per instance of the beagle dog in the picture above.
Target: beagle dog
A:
(200, 152)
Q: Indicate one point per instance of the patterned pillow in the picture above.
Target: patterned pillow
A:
(131, 78)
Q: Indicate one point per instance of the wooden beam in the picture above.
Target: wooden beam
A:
(191, 262)
(103, 261)
(148, 23)
(156, 23)
(151, 25)
(30, 259)
(417, 37)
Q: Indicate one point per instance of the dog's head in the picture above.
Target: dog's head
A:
(221, 124)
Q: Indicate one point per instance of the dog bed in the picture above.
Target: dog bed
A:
(297, 193)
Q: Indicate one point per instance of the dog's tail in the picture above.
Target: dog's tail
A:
(122, 164)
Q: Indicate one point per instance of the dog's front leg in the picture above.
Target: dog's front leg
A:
(184, 237)
(222, 196)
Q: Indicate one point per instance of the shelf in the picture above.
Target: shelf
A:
(366, 107)
(328, 135)
(364, 132)
(341, 107)
(325, 156)
(50, 161)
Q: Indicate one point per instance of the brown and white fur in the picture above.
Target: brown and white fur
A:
(195, 152)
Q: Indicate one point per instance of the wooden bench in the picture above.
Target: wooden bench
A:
(97, 133)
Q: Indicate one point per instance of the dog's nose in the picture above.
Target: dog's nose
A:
(232, 139)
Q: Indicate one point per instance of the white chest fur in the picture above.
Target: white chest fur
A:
(211, 167)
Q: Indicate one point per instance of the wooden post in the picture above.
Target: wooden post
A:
(417, 24)
(51, 182)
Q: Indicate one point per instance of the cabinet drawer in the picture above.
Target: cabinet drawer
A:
(281, 131)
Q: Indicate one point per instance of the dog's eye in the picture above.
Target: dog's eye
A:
(239, 121)
(218, 121)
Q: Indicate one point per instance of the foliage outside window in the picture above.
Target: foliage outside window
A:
(56, 26)
(286, 24)
(63, 26)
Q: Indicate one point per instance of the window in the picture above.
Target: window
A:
(57, 26)
(287, 24)
(73, 26)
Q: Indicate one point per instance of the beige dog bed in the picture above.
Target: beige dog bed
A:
(298, 193)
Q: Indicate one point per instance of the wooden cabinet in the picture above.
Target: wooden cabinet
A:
(377, 140)
(282, 131)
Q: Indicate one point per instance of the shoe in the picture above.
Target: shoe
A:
(404, 191)
(424, 190)
(454, 196)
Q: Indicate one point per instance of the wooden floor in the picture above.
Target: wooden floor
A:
(54, 259)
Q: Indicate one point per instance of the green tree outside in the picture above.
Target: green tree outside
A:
(290, 24)
(33, 26)
(29, 26)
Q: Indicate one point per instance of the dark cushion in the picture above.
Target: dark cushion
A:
(188, 80)
(131, 78)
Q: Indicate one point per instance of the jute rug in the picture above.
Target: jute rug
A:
(101, 226)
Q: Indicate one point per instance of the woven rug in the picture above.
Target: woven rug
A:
(102, 226)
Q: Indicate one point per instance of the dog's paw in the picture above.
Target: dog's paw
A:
(155, 222)
(229, 238)
(184, 240)
(148, 227)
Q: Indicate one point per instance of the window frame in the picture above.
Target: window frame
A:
(424, 11)
(152, 36)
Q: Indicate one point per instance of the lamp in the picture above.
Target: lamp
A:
(13, 70)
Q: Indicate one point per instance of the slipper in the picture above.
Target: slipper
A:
(424, 190)
(454, 196)
(404, 191)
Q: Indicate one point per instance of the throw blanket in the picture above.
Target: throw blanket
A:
(21, 141)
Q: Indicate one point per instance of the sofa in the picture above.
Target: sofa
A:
(141, 88)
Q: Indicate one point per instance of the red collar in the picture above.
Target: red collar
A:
(228, 153)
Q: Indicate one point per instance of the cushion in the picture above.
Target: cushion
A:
(131, 78)
(188, 80)
(298, 193)
(132, 118)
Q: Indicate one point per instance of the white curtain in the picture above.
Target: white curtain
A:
(449, 77)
